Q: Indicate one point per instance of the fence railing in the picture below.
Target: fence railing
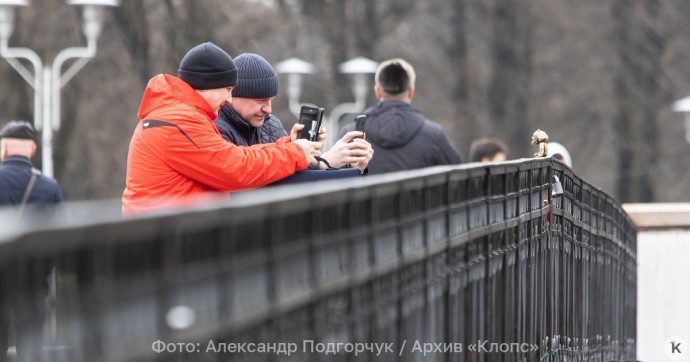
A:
(463, 263)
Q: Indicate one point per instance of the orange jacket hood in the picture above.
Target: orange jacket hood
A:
(165, 93)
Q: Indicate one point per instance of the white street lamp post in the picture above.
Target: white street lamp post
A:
(683, 105)
(296, 70)
(358, 69)
(47, 81)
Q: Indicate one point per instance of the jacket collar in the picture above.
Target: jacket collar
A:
(17, 160)
(231, 117)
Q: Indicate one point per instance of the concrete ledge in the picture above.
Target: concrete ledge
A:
(659, 215)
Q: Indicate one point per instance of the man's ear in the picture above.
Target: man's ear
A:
(3, 150)
(33, 149)
(410, 93)
(377, 91)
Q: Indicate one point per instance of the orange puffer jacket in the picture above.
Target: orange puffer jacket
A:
(177, 155)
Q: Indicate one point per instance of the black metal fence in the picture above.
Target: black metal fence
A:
(463, 263)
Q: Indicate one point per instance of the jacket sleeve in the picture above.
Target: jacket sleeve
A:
(207, 158)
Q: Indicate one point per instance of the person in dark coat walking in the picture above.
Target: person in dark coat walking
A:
(248, 120)
(402, 138)
(18, 147)
(23, 288)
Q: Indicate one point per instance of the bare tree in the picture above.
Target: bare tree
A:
(640, 95)
(512, 58)
(598, 77)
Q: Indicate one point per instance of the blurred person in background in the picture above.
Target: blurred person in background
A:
(559, 152)
(488, 150)
(402, 138)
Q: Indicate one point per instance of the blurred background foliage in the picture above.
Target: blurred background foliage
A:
(597, 76)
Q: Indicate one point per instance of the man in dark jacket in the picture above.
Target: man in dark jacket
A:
(23, 291)
(248, 120)
(18, 147)
(400, 135)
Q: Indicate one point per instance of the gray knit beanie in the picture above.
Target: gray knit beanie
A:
(206, 66)
(255, 77)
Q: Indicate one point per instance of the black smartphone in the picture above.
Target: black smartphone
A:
(311, 118)
(359, 123)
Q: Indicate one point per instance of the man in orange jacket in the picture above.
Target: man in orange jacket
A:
(177, 155)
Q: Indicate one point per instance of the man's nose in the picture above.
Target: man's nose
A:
(267, 108)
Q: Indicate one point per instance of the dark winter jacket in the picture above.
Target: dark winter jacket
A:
(239, 132)
(403, 139)
(15, 173)
(234, 129)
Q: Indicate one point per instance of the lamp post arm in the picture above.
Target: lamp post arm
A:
(12, 55)
(59, 79)
(84, 55)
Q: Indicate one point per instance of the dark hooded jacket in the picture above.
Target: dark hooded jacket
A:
(239, 132)
(403, 139)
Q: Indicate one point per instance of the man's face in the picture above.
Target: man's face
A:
(252, 110)
(499, 157)
(216, 98)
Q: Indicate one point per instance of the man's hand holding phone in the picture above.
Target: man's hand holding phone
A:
(352, 150)
(311, 149)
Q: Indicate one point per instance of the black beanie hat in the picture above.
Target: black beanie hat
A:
(206, 66)
(17, 129)
(255, 77)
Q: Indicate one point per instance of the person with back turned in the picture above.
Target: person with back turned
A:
(402, 138)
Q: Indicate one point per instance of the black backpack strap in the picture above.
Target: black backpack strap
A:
(151, 123)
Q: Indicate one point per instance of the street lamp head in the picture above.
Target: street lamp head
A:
(358, 65)
(92, 15)
(94, 2)
(7, 16)
(294, 66)
(683, 106)
(359, 69)
(295, 69)
(14, 2)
